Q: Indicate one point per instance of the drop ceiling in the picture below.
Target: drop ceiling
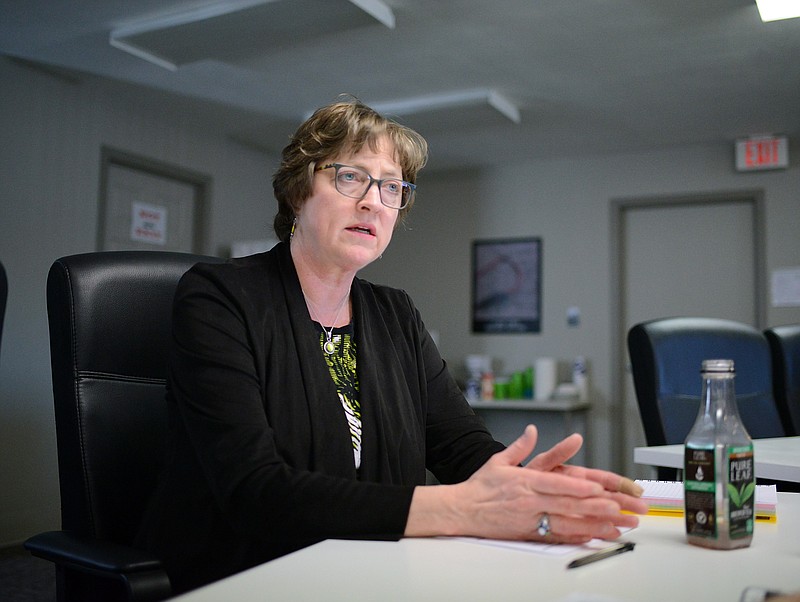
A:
(486, 81)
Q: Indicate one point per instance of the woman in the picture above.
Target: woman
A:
(306, 403)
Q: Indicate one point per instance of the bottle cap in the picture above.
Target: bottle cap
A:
(718, 366)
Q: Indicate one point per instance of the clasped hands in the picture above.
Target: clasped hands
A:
(504, 500)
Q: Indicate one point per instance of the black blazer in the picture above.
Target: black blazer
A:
(260, 461)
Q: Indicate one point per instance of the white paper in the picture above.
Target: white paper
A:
(673, 490)
(548, 549)
(148, 223)
(786, 287)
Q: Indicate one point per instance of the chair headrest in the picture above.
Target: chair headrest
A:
(101, 299)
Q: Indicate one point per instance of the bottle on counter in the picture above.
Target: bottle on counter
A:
(719, 470)
(487, 386)
(476, 364)
(580, 378)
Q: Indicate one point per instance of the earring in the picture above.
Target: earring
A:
(294, 225)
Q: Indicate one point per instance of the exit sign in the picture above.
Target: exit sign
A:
(762, 152)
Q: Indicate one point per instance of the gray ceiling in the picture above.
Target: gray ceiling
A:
(587, 76)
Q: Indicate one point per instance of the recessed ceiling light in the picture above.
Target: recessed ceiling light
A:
(774, 10)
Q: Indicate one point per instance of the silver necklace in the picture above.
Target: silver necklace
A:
(329, 346)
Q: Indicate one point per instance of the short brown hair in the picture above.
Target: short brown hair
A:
(335, 129)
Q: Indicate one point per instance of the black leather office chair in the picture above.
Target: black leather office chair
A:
(666, 355)
(784, 342)
(109, 315)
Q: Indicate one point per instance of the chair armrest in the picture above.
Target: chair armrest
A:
(62, 547)
(143, 575)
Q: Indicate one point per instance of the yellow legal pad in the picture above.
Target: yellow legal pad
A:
(665, 498)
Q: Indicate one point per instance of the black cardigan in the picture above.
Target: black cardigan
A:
(260, 461)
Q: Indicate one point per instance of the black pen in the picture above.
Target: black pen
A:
(599, 555)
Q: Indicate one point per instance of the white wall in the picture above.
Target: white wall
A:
(52, 133)
(429, 255)
(567, 203)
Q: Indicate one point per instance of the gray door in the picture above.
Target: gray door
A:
(148, 212)
(150, 205)
(695, 257)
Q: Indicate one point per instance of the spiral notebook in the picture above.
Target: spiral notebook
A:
(665, 498)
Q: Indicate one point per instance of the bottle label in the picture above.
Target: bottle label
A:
(699, 492)
(741, 492)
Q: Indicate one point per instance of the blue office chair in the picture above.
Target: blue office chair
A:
(666, 355)
(784, 342)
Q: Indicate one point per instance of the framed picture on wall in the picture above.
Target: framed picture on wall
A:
(149, 205)
(507, 285)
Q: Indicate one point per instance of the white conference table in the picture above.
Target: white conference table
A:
(777, 458)
(662, 567)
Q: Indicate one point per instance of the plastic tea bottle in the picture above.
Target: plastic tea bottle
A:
(719, 474)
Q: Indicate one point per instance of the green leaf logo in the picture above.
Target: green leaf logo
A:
(748, 491)
(739, 497)
(734, 495)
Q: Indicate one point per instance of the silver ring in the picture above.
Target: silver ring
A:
(543, 526)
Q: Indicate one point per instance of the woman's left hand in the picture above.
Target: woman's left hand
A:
(554, 459)
(546, 500)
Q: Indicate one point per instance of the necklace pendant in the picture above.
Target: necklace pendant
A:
(329, 347)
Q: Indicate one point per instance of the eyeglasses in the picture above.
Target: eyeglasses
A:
(354, 182)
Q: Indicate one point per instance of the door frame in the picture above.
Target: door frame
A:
(617, 209)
